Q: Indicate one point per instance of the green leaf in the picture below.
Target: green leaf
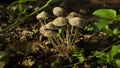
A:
(116, 31)
(60, 30)
(105, 13)
(79, 55)
(113, 52)
(117, 18)
(102, 23)
(118, 63)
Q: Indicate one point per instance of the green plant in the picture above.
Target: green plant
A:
(111, 57)
(78, 53)
(107, 19)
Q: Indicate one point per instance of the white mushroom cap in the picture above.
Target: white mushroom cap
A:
(51, 26)
(73, 14)
(49, 33)
(42, 29)
(42, 15)
(58, 11)
(60, 21)
(78, 22)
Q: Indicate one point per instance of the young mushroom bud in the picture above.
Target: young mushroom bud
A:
(77, 22)
(42, 29)
(42, 17)
(50, 26)
(58, 11)
(60, 21)
(73, 14)
(49, 33)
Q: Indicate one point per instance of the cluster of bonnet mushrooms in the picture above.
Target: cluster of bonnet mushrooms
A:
(63, 30)
(69, 24)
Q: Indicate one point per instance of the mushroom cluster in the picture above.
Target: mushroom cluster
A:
(70, 24)
(63, 30)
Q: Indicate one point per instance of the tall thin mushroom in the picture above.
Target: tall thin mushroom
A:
(61, 22)
(76, 22)
(73, 14)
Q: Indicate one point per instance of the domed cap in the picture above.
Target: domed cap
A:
(42, 15)
(42, 29)
(78, 22)
(60, 21)
(49, 33)
(73, 14)
(51, 26)
(58, 11)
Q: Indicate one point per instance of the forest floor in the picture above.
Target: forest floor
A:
(26, 47)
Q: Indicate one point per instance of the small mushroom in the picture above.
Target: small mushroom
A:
(42, 29)
(50, 26)
(77, 22)
(60, 21)
(58, 11)
(73, 14)
(49, 33)
(42, 17)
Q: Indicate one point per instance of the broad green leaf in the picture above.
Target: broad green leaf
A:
(105, 13)
(102, 23)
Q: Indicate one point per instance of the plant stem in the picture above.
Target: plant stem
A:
(10, 27)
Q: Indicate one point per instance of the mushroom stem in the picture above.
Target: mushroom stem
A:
(54, 45)
(44, 21)
(68, 36)
(75, 34)
(72, 28)
(56, 40)
(61, 39)
(41, 23)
